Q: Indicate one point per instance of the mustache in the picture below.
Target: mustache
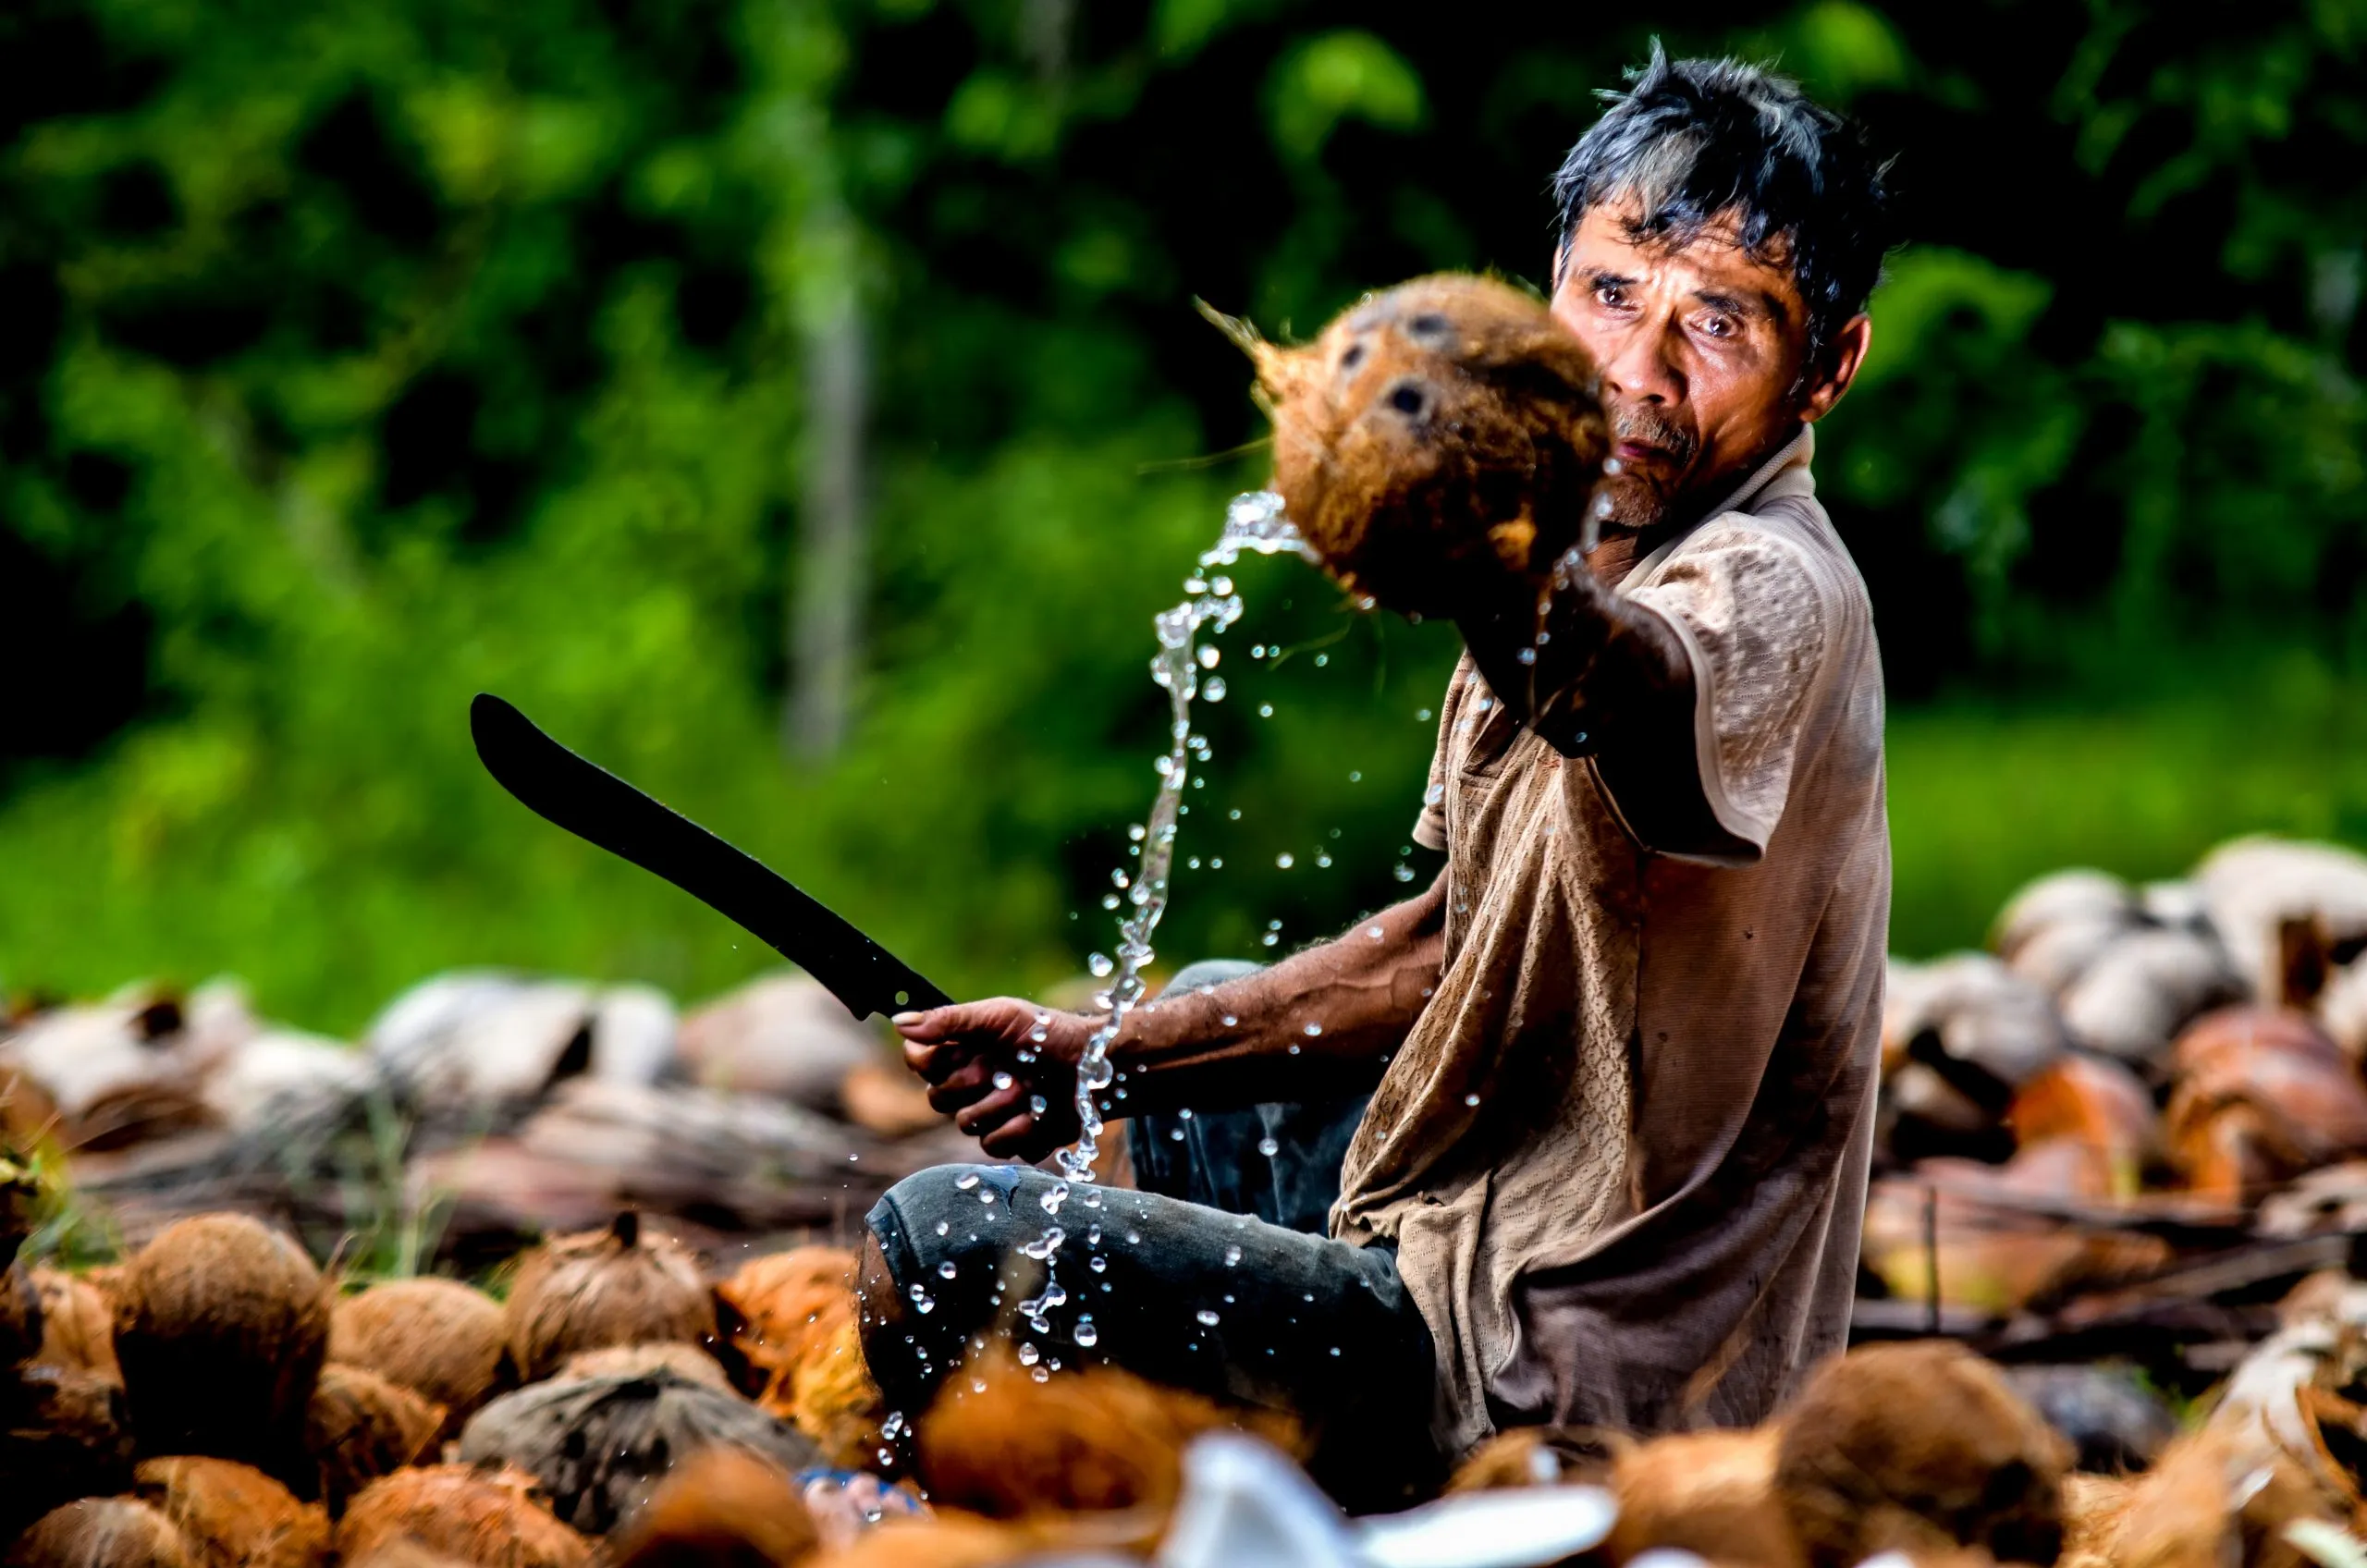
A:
(1652, 429)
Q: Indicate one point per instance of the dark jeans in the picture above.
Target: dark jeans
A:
(1226, 1303)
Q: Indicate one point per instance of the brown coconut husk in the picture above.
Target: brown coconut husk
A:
(1538, 1456)
(832, 1399)
(63, 1434)
(947, 1540)
(1712, 1493)
(1447, 425)
(598, 1446)
(1917, 1448)
(77, 1323)
(601, 1288)
(442, 1340)
(220, 1327)
(101, 1532)
(2262, 1095)
(486, 1517)
(1089, 1441)
(359, 1426)
(640, 1361)
(232, 1515)
(721, 1507)
(778, 1308)
(20, 1316)
(2099, 1104)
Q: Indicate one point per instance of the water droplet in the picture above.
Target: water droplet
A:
(966, 1181)
(1471, 1100)
(1133, 1237)
(1434, 794)
(946, 1270)
(1322, 859)
(1207, 654)
(944, 1226)
(1109, 900)
(1036, 1103)
(987, 1197)
(1100, 965)
(1003, 1080)
(1269, 1147)
(921, 1301)
(1215, 690)
(1041, 1375)
(1039, 1035)
(1322, 660)
(1602, 507)
(1265, 710)
(1208, 1318)
(1029, 1355)
(1097, 1263)
(1422, 714)
(1284, 859)
(1527, 655)
(1230, 1021)
(1192, 865)
(1612, 468)
(1232, 1257)
(1355, 778)
(1087, 1334)
(1402, 872)
(1314, 1029)
(1222, 588)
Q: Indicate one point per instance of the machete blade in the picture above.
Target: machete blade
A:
(596, 805)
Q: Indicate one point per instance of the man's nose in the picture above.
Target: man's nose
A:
(1642, 369)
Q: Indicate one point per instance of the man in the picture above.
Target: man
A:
(1622, 1054)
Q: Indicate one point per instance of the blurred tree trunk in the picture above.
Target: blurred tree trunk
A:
(825, 629)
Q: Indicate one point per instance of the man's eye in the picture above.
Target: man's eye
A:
(1719, 326)
(1610, 294)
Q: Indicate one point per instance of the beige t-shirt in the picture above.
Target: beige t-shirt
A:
(1623, 1151)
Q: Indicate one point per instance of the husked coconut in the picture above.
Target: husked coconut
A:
(63, 1434)
(444, 1340)
(600, 1288)
(77, 1323)
(1712, 1493)
(220, 1327)
(1092, 1440)
(1919, 1447)
(101, 1532)
(232, 1515)
(722, 1508)
(777, 1308)
(20, 1316)
(1447, 426)
(640, 1361)
(2132, 1001)
(359, 1426)
(2077, 895)
(784, 1036)
(486, 1517)
(599, 1445)
(2262, 1096)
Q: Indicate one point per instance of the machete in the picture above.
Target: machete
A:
(594, 805)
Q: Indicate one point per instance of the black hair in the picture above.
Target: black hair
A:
(1691, 141)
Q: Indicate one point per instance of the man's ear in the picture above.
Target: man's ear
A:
(1842, 358)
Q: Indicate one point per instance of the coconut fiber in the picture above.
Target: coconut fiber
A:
(486, 1517)
(438, 1338)
(101, 1532)
(601, 1288)
(232, 1515)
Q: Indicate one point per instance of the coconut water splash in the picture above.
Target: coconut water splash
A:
(1255, 523)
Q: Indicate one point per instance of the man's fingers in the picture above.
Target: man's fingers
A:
(988, 1110)
(1015, 1136)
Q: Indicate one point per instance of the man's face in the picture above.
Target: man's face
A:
(1701, 350)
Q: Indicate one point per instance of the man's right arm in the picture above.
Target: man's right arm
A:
(1321, 1022)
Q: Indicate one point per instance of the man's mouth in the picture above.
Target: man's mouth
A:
(1633, 452)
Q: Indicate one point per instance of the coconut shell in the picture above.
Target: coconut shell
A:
(20, 1314)
(442, 1340)
(1083, 1440)
(77, 1323)
(101, 1532)
(722, 1508)
(1712, 1493)
(598, 1446)
(1919, 1447)
(778, 1307)
(1446, 426)
(63, 1434)
(486, 1517)
(640, 1361)
(232, 1515)
(2262, 1095)
(600, 1288)
(359, 1426)
(834, 1401)
(220, 1326)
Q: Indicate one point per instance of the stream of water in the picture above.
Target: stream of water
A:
(1186, 666)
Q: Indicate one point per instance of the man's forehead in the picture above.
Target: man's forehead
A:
(1608, 235)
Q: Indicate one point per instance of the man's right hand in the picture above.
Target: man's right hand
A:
(986, 1066)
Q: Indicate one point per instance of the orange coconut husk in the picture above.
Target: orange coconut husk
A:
(1712, 1493)
(442, 1340)
(359, 1426)
(20, 1314)
(889, 1101)
(722, 1507)
(101, 1532)
(486, 1517)
(63, 1434)
(639, 1361)
(220, 1328)
(599, 1287)
(232, 1515)
(1446, 426)
(28, 1118)
(2262, 1095)
(1919, 1447)
(2098, 1103)
(947, 1540)
(1086, 1440)
(778, 1308)
(1995, 1252)
(77, 1323)
(1540, 1456)
(833, 1399)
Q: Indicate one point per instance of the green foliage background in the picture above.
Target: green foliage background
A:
(362, 355)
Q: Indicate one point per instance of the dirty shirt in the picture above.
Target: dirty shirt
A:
(1622, 1152)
